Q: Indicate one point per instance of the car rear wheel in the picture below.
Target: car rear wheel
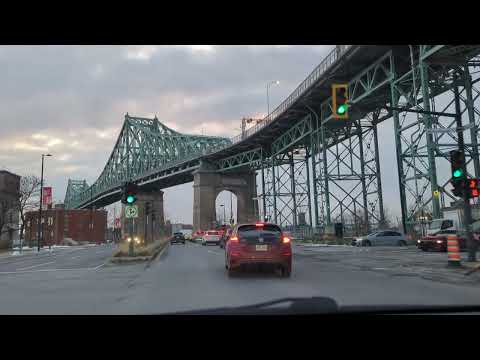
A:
(368, 243)
(402, 243)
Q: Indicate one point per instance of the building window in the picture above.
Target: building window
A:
(50, 220)
(28, 223)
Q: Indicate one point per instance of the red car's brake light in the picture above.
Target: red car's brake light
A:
(234, 238)
(259, 224)
(286, 240)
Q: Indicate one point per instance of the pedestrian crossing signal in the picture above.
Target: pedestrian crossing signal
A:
(473, 188)
(340, 101)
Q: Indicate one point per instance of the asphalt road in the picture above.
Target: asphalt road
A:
(192, 277)
(56, 259)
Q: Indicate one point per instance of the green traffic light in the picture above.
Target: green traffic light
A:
(130, 199)
(457, 173)
(342, 109)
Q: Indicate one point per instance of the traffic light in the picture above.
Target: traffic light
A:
(340, 101)
(457, 160)
(473, 188)
(129, 195)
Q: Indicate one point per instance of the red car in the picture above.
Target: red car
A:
(258, 244)
(438, 241)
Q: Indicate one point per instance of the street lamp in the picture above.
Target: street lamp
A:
(224, 218)
(276, 82)
(40, 210)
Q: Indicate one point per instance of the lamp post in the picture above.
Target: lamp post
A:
(40, 232)
(231, 207)
(224, 218)
(276, 82)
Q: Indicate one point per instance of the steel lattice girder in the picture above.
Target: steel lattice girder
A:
(349, 175)
(296, 133)
(251, 158)
(419, 151)
(74, 188)
(363, 86)
(145, 147)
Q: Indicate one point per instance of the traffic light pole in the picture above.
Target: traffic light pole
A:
(130, 244)
(467, 210)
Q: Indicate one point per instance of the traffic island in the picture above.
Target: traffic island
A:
(141, 253)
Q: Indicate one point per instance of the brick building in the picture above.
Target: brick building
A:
(83, 225)
(9, 214)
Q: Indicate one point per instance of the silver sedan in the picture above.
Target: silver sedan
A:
(382, 238)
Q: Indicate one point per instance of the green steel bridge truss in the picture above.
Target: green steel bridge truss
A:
(340, 178)
(320, 170)
(144, 148)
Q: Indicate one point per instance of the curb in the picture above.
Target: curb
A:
(138, 259)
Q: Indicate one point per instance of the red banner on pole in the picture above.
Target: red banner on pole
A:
(47, 196)
(117, 223)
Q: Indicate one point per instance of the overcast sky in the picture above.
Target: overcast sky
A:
(71, 101)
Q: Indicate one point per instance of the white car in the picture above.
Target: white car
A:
(211, 237)
(382, 238)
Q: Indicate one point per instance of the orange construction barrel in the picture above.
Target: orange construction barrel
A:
(453, 251)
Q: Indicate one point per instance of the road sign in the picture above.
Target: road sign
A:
(131, 211)
(47, 196)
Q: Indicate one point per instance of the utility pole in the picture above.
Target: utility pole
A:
(231, 207)
(467, 210)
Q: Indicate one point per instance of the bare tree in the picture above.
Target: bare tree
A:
(29, 198)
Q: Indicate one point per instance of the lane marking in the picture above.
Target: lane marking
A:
(34, 266)
(75, 257)
(41, 270)
(214, 252)
(99, 266)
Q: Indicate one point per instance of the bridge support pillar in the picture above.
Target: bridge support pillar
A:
(150, 224)
(207, 184)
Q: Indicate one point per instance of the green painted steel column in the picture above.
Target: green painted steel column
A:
(430, 143)
(314, 178)
(378, 174)
(292, 184)
(308, 187)
(398, 147)
(471, 118)
(264, 205)
(325, 174)
(274, 191)
(362, 173)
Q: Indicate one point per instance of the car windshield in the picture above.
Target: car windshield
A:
(140, 179)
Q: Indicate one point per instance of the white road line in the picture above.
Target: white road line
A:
(214, 252)
(34, 266)
(41, 270)
(98, 267)
(75, 257)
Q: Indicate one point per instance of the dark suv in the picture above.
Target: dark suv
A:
(177, 238)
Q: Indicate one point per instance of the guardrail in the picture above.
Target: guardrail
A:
(326, 63)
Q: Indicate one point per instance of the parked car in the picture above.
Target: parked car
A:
(258, 244)
(382, 238)
(177, 237)
(211, 237)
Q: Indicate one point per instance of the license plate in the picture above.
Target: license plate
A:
(261, 247)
